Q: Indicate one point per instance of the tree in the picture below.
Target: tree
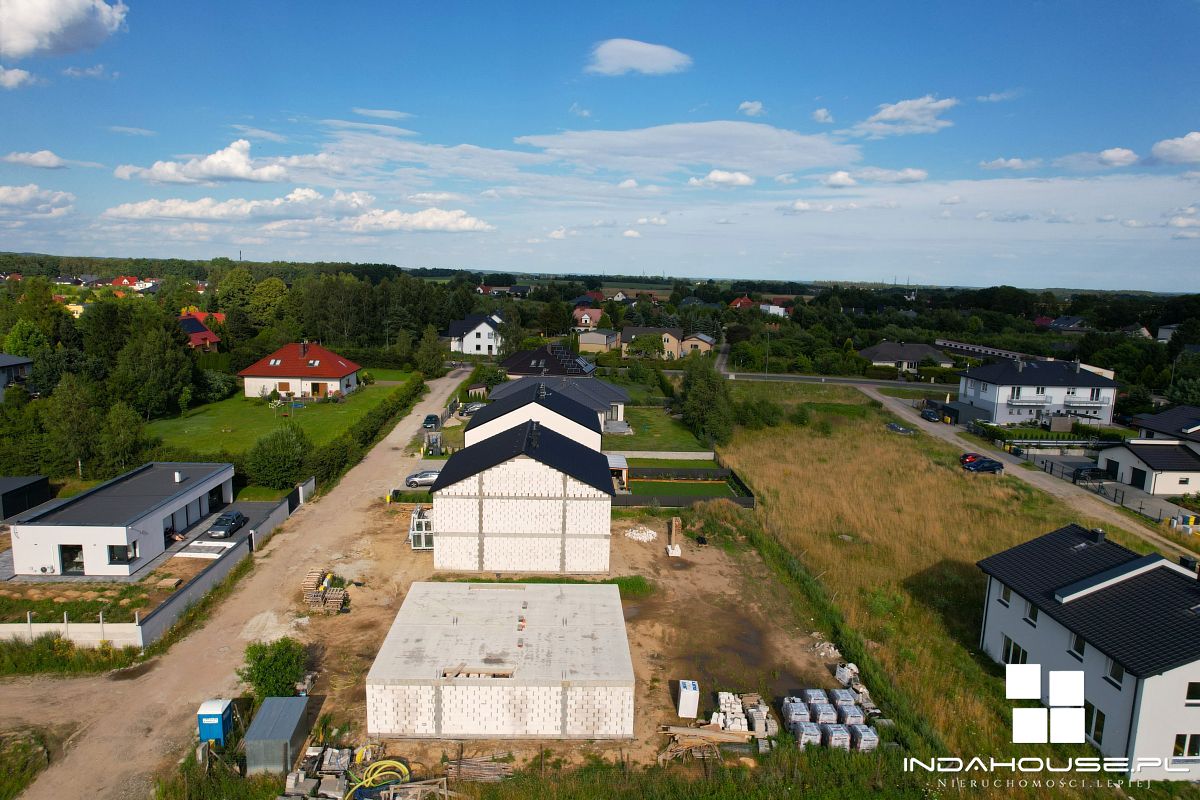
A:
(273, 669)
(1185, 392)
(707, 407)
(266, 300)
(277, 460)
(71, 418)
(646, 345)
(122, 438)
(25, 339)
(151, 373)
(430, 358)
(236, 288)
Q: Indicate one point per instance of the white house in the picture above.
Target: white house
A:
(905, 356)
(772, 310)
(301, 369)
(1166, 459)
(525, 500)
(552, 409)
(1073, 601)
(603, 398)
(477, 334)
(120, 526)
(1029, 391)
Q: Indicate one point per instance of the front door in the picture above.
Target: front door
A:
(70, 557)
(1137, 478)
(318, 390)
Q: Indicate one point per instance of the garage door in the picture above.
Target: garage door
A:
(1137, 478)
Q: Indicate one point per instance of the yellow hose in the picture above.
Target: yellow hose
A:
(378, 774)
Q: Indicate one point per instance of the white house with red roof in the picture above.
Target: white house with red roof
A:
(301, 369)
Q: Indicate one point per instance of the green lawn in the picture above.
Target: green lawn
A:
(689, 463)
(388, 374)
(920, 394)
(237, 423)
(260, 494)
(788, 393)
(684, 488)
(653, 429)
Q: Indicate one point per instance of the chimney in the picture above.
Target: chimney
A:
(1190, 563)
(1020, 365)
(541, 392)
(1076, 365)
(1096, 535)
(178, 476)
(534, 434)
(304, 347)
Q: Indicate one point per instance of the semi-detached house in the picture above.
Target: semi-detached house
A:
(1165, 459)
(1029, 391)
(476, 334)
(536, 401)
(1071, 601)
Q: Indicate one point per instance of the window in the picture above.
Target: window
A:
(1193, 692)
(1040, 390)
(1116, 673)
(1031, 614)
(275, 362)
(1095, 395)
(1005, 594)
(1184, 481)
(1014, 653)
(983, 387)
(314, 363)
(478, 335)
(1093, 722)
(1078, 645)
(122, 553)
(1070, 391)
(970, 383)
(1187, 746)
(1015, 393)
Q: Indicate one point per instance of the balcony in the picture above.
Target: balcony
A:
(1028, 400)
(1084, 402)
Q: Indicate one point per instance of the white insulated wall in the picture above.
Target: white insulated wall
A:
(521, 516)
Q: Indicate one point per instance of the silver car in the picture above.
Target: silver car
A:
(426, 477)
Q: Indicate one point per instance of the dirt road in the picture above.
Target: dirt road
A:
(127, 730)
(1083, 501)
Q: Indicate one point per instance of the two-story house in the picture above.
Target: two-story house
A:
(13, 369)
(477, 334)
(1073, 601)
(1029, 391)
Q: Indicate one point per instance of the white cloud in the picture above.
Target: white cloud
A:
(435, 198)
(1191, 176)
(579, 111)
(952, 200)
(879, 175)
(1184, 222)
(1134, 223)
(786, 179)
(129, 131)
(628, 183)
(1106, 218)
(381, 113)
(803, 207)
(918, 115)
(752, 108)
(99, 72)
(1186, 235)
(429, 220)
(233, 163)
(838, 180)
(631, 234)
(558, 234)
(999, 97)
(259, 133)
(1184, 150)
(1118, 157)
(719, 177)
(1011, 163)
(42, 159)
(16, 78)
(619, 56)
(56, 27)
(651, 221)
(32, 201)
(823, 116)
(1105, 159)
(751, 147)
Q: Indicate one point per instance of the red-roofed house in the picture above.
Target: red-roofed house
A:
(204, 316)
(199, 335)
(125, 280)
(586, 317)
(743, 302)
(301, 370)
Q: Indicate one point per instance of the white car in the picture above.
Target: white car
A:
(426, 477)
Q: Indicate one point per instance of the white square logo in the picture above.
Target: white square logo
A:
(1066, 725)
(1023, 681)
(1066, 688)
(1030, 725)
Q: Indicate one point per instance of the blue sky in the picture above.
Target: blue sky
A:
(1050, 144)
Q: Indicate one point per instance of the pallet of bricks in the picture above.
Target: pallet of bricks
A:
(320, 596)
(836, 718)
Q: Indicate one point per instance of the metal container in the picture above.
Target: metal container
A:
(276, 736)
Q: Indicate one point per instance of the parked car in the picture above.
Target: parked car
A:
(900, 429)
(431, 422)
(984, 465)
(931, 414)
(967, 458)
(471, 408)
(227, 524)
(426, 477)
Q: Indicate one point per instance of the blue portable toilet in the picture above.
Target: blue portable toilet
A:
(215, 720)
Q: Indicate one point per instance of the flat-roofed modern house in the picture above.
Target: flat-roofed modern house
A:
(605, 399)
(301, 369)
(536, 401)
(1072, 600)
(121, 525)
(1165, 460)
(1028, 391)
(476, 334)
(21, 493)
(13, 369)
(904, 356)
(524, 500)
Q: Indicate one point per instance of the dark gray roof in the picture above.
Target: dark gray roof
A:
(7, 484)
(535, 441)
(13, 361)
(704, 337)
(594, 393)
(277, 719)
(537, 392)
(1173, 423)
(630, 331)
(550, 359)
(903, 351)
(1037, 373)
(1068, 322)
(1144, 622)
(125, 498)
(461, 327)
(192, 325)
(1167, 457)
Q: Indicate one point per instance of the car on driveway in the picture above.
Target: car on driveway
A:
(984, 465)
(426, 477)
(431, 422)
(227, 524)
(967, 458)
(931, 414)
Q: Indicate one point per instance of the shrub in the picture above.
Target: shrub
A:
(277, 460)
(799, 416)
(881, 373)
(215, 386)
(273, 669)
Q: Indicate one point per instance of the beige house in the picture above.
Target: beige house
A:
(600, 340)
(671, 338)
(696, 343)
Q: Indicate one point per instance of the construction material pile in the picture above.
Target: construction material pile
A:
(320, 595)
(730, 715)
(642, 534)
(484, 769)
(836, 718)
(338, 773)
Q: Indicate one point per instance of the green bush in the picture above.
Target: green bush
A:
(277, 460)
(273, 669)
(799, 416)
(881, 373)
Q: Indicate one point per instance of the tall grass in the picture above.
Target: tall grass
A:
(23, 754)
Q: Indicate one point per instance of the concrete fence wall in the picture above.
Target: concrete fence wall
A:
(307, 489)
(160, 620)
(260, 534)
(84, 634)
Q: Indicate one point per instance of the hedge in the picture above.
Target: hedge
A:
(329, 461)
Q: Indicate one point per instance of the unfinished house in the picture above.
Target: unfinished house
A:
(527, 499)
(536, 401)
(504, 660)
